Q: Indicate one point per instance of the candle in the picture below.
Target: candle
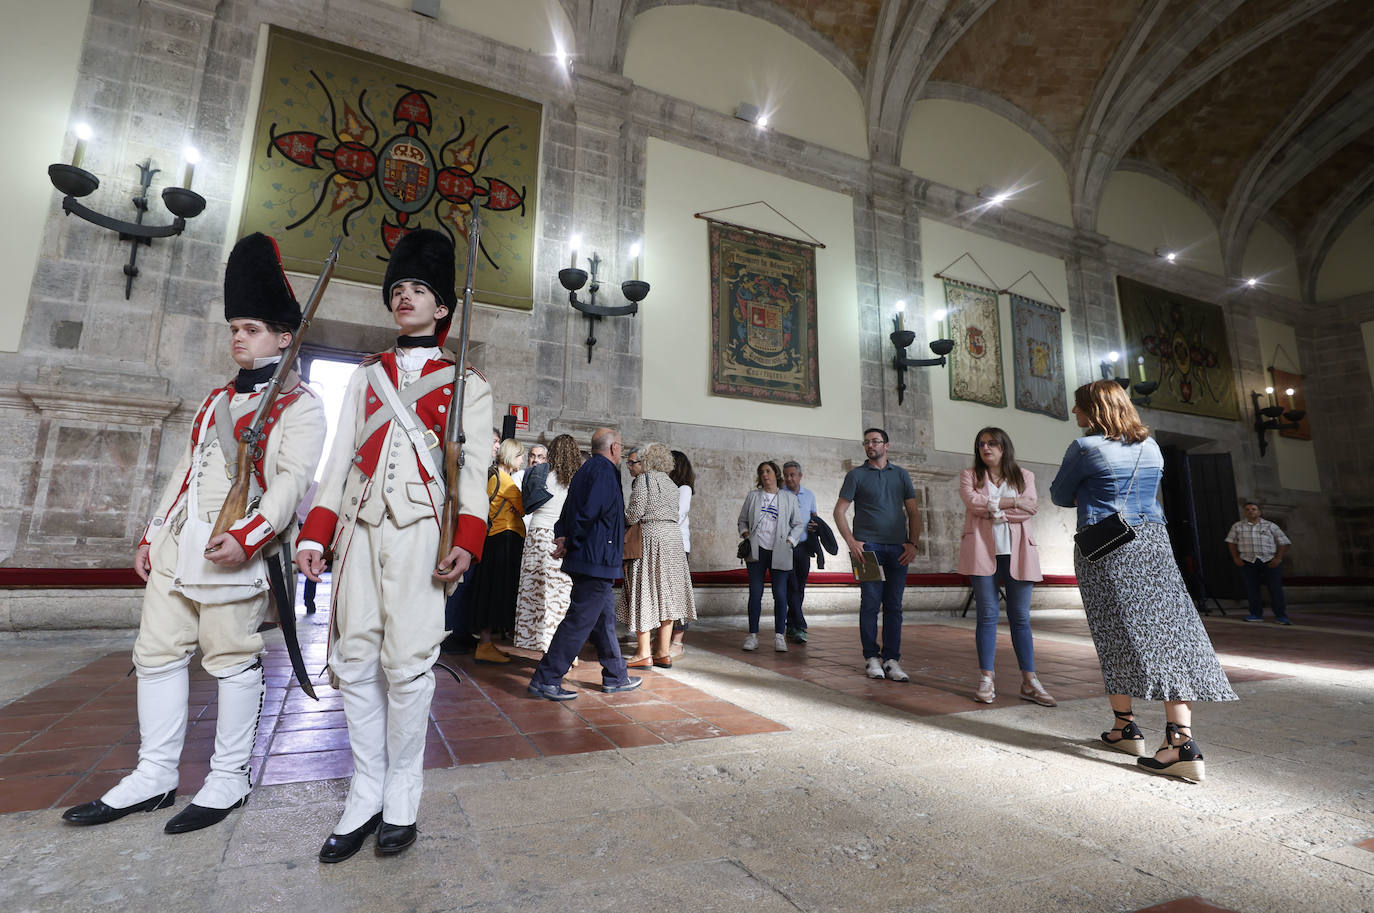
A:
(901, 308)
(634, 257)
(574, 243)
(1269, 391)
(1289, 393)
(1140, 364)
(192, 155)
(940, 323)
(83, 133)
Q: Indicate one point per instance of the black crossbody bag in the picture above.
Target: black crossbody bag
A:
(1100, 539)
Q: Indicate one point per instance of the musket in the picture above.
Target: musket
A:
(453, 431)
(251, 437)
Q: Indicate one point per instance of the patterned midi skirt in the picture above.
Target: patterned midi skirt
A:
(545, 592)
(1149, 638)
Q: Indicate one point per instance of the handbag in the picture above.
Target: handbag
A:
(742, 553)
(634, 543)
(1098, 540)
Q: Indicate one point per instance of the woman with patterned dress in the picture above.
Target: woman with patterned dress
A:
(1149, 639)
(498, 574)
(658, 586)
(685, 478)
(545, 590)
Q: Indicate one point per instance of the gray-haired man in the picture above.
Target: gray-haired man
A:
(801, 552)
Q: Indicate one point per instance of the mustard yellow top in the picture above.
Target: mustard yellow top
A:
(507, 509)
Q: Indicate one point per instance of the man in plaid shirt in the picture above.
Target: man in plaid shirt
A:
(1257, 547)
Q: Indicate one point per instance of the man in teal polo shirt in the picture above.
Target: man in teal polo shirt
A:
(888, 524)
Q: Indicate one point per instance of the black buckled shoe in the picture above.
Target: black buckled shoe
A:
(194, 817)
(98, 812)
(1131, 740)
(393, 838)
(338, 847)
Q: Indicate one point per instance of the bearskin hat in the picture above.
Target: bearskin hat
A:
(427, 256)
(255, 287)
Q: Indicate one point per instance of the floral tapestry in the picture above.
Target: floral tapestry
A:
(975, 365)
(1038, 357)
(1184, 344)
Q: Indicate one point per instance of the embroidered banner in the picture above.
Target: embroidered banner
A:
(1038, 357)
(975, 365)
(1286, 380)
(1184, 344)
(352, 144)
(763, 316)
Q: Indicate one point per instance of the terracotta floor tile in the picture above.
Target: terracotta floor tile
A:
(498, 748)
(601, 716)
(1366, 844)
(570, 741)
(659, 710)
(309, 740)
(120, 757)
(325, 719)
(64, 736)
(296, 768)
(437, 755)
(36, 791)
(684, 730)
(629, 735)
(1186, 905)
(89, 788)
(744, 723)
(46, 763)
(482, 727)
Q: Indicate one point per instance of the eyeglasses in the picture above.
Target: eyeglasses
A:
(634, 462)
(989, 445)
(873, 440)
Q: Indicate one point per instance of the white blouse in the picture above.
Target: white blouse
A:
(1001, 530)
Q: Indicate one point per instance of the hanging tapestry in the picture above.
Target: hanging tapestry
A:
(1184, 344)
(1038, 357)
(763, 316)
(1286, 380)
(975, 365)
(352, 144)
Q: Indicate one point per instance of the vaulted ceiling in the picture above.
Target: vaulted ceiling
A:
(1259, 109)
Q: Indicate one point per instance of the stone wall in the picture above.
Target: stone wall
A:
(99, 399)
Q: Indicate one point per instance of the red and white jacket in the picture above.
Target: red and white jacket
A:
(295, 439)
(351, 487)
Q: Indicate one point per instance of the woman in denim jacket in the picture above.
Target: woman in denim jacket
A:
(1149, 639)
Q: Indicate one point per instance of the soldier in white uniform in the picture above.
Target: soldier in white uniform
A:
(378, 511)
(214, 591)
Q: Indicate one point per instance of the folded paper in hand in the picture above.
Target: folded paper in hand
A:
(869, 570)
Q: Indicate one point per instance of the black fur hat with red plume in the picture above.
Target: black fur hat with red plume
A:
(427, 256)
(255, 286)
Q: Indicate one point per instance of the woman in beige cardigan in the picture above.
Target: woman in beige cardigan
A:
(998, 545)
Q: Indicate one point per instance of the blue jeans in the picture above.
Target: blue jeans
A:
(887, 595)
(1256, 573)
(796, 586)
(779, 579)
(591, 616)
(1018, 615)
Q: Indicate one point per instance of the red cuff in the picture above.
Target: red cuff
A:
(252, 532)
(319, 526)
(471, 534)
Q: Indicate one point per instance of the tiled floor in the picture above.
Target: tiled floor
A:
(943, 663)
(71, 740)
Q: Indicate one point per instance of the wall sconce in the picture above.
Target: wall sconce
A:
(1267, 417)
(1142, 388)
(74, 182)
(1165, 254)
(573, 279)
(902, 338)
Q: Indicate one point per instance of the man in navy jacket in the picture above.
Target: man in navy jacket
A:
(590, 538)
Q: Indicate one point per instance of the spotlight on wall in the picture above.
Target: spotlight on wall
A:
(183, 203)
(1251, 282)
(1165, 254)
(748, 112)
(562, 57)
(994, 196)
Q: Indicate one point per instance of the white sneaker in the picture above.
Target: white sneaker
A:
(875, 668)
(751, 642)
(780, 643)
(894, 671)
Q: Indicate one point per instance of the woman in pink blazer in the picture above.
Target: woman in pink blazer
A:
(998, 546)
